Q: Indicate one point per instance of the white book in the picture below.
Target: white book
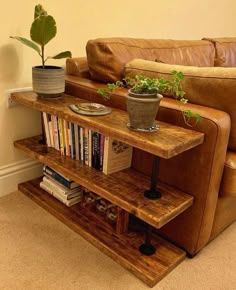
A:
(60, 187)
(67, 202)
(116, 155)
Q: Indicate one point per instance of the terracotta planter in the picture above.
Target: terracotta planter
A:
(142, 110)
(48, 82)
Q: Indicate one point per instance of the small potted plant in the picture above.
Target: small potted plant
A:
(48, 81)
(144, 96)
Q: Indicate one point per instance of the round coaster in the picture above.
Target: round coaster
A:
(90, 109)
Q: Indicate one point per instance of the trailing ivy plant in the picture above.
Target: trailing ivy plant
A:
(43, 29)
(145, 85)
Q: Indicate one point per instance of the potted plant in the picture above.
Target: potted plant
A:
(48, 81)
(144, 96)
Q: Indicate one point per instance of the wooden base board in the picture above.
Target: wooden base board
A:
(123, 248)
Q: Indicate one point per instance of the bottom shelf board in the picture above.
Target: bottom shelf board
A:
(123, 248)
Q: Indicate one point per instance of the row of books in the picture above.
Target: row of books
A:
(92, 148)
(64, 189)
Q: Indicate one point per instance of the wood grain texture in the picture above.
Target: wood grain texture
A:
(121, 248)
(124, 188)
(167, 142)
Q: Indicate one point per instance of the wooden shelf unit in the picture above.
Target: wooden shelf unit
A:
(124, 189)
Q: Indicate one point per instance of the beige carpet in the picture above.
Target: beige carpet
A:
(39, 252)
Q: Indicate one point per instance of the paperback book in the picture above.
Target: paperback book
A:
(68, 202)
(117, 155)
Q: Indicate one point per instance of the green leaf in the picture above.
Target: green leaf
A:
(63, 54)
(39, 10)
(27, 42)
(43, 29)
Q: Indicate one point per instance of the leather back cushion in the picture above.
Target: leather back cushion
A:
(213, 87)
(225, 51)
(108, 56)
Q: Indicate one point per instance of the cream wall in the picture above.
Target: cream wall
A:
(78, 21)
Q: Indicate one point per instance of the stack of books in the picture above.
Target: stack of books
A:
(65, 190)
(90, 147)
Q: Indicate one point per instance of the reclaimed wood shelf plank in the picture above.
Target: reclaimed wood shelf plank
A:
(124, 248)
(167, 142)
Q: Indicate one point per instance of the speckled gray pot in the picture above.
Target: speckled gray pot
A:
(142, 110)
(48, 82)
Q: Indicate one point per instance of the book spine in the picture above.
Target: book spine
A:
(86, 149)
(89, 148)
(49, 116)
(66, 137)
(46, 127)
(77, 149)
(55, 132)
(61, 136)
(96, 151)
(81, 143)
(72, 140)
(102, 138)
(105, 154)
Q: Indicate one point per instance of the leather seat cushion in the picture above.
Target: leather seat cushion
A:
(108, 56)
(228, 183)
(213, 87)
(225, 49)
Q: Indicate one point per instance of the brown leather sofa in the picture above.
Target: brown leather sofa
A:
(208, 172)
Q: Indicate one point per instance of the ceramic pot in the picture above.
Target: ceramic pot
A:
(48, 82)
(142, 110)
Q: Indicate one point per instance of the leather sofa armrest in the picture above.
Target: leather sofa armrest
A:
(77, 66)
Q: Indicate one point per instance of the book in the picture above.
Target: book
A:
(117, 155)
(66, 137)
(102, 138)
(55, 132)
(46, 128)
(64, 190)
(81, 143)
(67, 202)
(72, 140)
(86, 145)
(49, 117)
(61, 135)
(96, 150)
(60, 178)
(89, 147)
(77, 147)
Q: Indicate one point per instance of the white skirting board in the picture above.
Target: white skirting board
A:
(13, 174)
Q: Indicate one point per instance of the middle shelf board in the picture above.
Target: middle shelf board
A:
(124, 188)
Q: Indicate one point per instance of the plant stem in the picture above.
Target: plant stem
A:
(43, 61)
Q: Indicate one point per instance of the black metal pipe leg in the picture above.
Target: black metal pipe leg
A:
(147, 248)
(153, 193)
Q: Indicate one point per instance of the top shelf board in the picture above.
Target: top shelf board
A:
(169, 141)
